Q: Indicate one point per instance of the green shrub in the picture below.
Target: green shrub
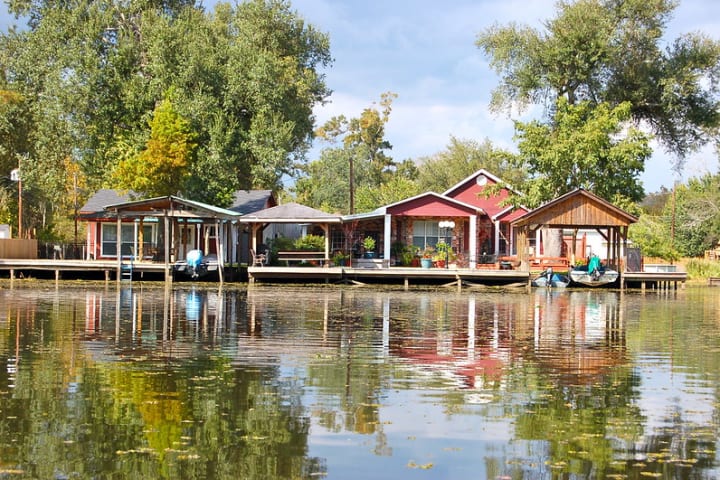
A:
(701, 268)
(310, 242)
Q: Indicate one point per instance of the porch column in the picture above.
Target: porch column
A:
(326, 231)
(472, 245)
(118, 245)
(386, 239)
(219, 240)
(496, 224)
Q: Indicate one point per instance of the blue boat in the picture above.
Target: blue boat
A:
(552, 280)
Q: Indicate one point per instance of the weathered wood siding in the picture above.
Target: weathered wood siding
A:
(18, 248)
(579, 212)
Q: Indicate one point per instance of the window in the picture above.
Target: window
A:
(425, 233)
(127, 232)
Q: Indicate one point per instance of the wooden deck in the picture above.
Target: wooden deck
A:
(654, 280)
(17, 267)
(370, 273)
(393, 275)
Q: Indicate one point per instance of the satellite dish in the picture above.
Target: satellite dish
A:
(481, 180)
(15, 175)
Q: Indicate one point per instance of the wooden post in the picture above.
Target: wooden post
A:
(118, 246)
(220, 253)
(166, 229)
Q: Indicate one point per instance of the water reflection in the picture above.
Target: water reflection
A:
(350, 383)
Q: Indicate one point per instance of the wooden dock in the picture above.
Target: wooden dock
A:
(393, 275)
(655, 280)
(108, 268)
(369, 274)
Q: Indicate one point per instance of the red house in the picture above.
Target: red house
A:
(477, 228)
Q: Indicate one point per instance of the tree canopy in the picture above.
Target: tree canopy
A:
(88, 75)
(611, 51)
(356, 158)
(582, 148)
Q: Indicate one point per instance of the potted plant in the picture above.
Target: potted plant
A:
(369, 246)
(408, 254)
(340, 259)
(427, 257)
(444, 254)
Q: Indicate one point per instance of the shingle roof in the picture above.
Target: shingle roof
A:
(250, 201)
(291, 213)
(103, 198)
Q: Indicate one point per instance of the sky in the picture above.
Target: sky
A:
(424, 51)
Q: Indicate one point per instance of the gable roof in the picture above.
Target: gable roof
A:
(291, 213)
(578, 208)
(250, 201)
(472, 178)
(469, 190)
(177, 206)
(429, 198)
(103, 197)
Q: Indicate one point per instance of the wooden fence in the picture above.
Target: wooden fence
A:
(18, 248)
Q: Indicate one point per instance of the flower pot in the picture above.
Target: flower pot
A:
(440, 263)
(369, 254)
(426, 262)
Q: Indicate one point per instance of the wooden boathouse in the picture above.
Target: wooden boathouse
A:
(583, 210)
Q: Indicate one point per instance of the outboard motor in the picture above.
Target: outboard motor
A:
(193, 261)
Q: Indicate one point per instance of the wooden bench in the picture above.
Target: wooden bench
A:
(301, 256)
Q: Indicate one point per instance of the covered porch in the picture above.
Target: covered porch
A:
(178, 227)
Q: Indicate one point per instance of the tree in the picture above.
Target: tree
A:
(696, 215)
(162, 168)
(246, 77)
(363, 139)
(462, 158)
(609, 51)
(652, 235)
(584, 147)
(325, 183)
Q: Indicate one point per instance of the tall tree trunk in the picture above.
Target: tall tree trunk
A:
(552, 242)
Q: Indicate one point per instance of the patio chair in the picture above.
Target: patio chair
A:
(258, 258)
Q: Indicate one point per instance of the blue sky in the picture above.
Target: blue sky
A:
(424, 51)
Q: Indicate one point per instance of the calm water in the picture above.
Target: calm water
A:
(290, 383)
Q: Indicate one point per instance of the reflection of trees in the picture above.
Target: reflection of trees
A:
(581, 424)
(183, 413)
(212, 385)
(351, 382)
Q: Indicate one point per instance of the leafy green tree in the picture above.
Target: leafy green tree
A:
(325, 183)
(462, 158)
(696, 216)
(652, 235)
(609, 51)
(583, 148)
(396, 188)
(91, 73)
(364, 144)
(163, 166)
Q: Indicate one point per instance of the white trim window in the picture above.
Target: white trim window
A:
(108, 239)
(426, 233)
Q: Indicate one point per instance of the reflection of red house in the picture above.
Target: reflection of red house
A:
(482, 230)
